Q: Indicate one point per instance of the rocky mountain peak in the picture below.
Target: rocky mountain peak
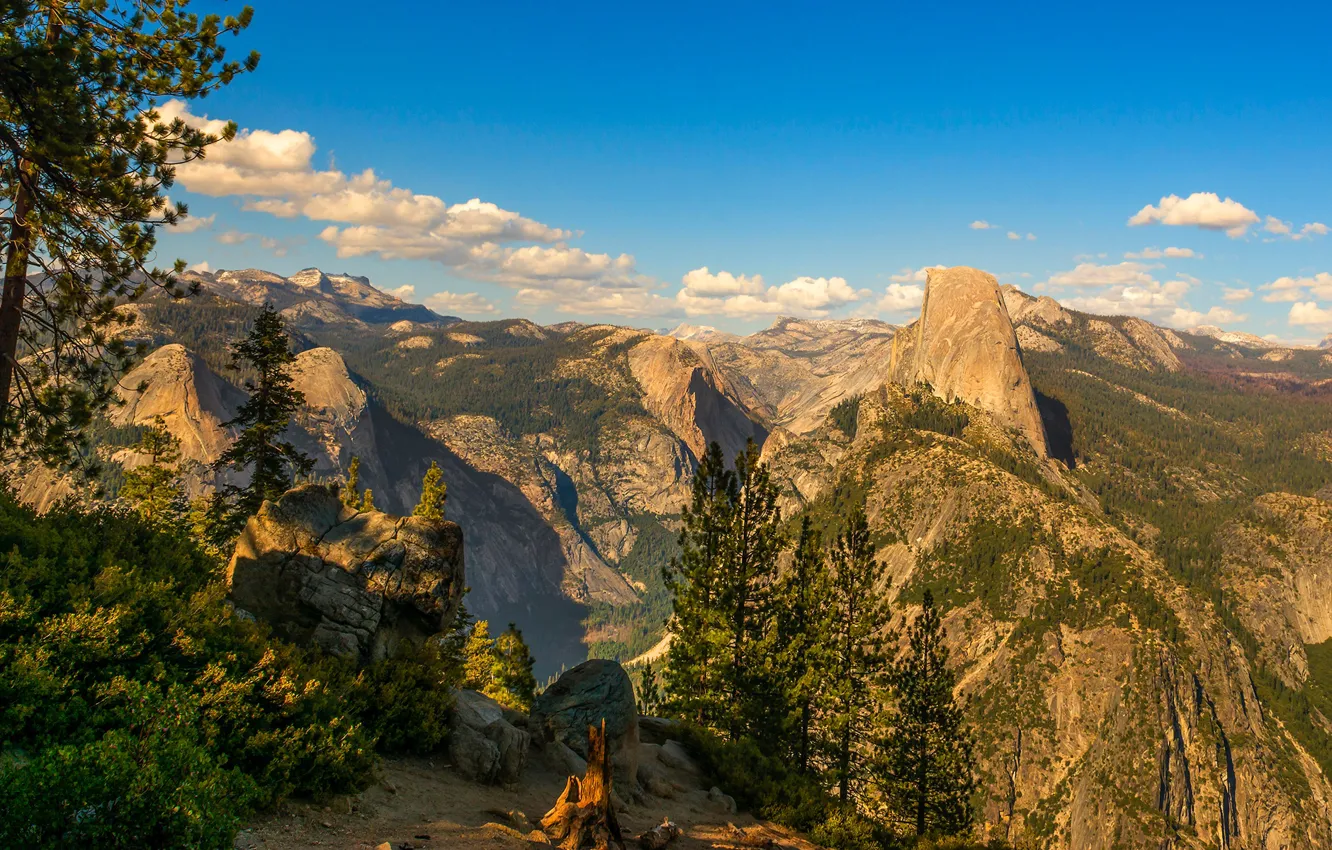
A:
(964, 347)
(177, 385)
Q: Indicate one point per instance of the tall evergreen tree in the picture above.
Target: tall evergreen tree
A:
(927, 771)
(478, 656)
(693, 667)
(649, 694)
(153, 489)
(351, 489)
(511, 680)
(434, 492)
(85, 161)
(260, 448)
(749, 574)
(859, 613)
(803, 635)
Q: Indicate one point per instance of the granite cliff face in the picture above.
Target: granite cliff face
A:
(963, 346)
(192, 400)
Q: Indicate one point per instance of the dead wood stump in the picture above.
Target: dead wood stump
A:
(583, 817)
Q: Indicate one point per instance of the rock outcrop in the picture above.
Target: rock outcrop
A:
(483, 745)
(584, 696)
(356, 583)
(964, 347)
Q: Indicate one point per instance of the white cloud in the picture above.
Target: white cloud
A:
(981, 224)
(918, 276)
(1131, 289)
(1031, 237)
(1014, 235)
(1310, 230)
(705, 293)
(1182, 317)
(199, 267)
(1290, 289)
(193, 223)
(1158, 253)
(1276, 225)
(901, 297)
(1093, 274)
(404, 292)
(279, 247)
(460, 304)
(274, 173)
(1309, 314)
(1201, 209)
(1236, 295)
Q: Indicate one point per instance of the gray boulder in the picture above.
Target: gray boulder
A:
(584, 696)
(355, 583)
(483, 745)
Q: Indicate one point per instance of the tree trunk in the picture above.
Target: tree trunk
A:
(17, 253)
(583, 817)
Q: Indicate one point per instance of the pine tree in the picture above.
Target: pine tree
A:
(153, 490)
(803, 630)
(693, 667)
(84, 165)
(351, 495)
(272, 461)
(368, 500)
(649, 695)
(927, 771)
(753, 543)
(511, 681)
(478, 657)
(433, 494)
(859, 613)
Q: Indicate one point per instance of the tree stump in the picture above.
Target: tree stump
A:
(583, 817)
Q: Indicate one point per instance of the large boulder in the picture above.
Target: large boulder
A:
(584, 696)
(355, 583)
(483, 744)
(965, 348)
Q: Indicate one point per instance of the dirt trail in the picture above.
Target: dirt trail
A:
(423, 805)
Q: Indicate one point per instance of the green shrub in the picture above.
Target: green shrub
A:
(135, 710)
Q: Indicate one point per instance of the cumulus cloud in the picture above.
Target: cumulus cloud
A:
(1206, 210)
(744, 296)
(193, 223)
(981, 224)
(279, 247)
(1275, 225)
(1014, 235)
(459, 304)
(1309, 314)
(404, 292)
(199, 267)
(1031, 237)
(917, 276)
(1292, 289)
(1235, 295)
(1131, 289)
(1158, 253)
(273, 172)
(1310, 230)
(901, 297)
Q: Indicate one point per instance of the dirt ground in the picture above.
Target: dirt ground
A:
(423, 805)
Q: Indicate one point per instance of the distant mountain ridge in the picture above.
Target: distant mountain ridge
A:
(311, 296)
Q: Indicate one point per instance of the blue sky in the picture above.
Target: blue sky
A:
(656, 164)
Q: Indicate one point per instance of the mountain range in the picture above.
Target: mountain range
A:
(1128, 525)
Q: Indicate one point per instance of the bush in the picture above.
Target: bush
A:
(135, 710)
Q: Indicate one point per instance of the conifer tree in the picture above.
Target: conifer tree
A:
(433, 494)
(649, 694)
(693, 668)
(368, 500)
(260, 448)
(511, 680)
(478, 657)
(85, 161)
(927, 769)
(351, 490)
(859, 613)
(153, 490)
(803, 633)
(753, 543)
